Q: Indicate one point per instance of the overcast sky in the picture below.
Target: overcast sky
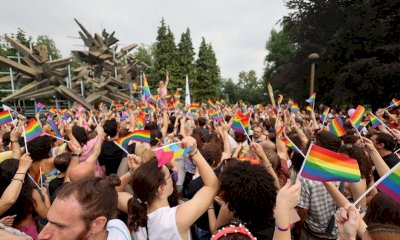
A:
(238, 30)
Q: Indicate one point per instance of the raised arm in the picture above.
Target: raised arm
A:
(15, 147)
(165, 121)
(379, 163)
(10, 195)
(265, 161)
(188, 212)
(166, 78)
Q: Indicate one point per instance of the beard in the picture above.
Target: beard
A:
(84, 235)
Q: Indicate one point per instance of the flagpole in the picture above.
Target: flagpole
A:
(167, 145)
(297, 149)
(26, 145)
(381, 121)
(123, 149)
(323, 122)
(62, 139)
(304, 162)
(33, 180)
(40, 177)
(359, 134)
(245, 132)
(377, 182)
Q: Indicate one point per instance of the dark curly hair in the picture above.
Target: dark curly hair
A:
(39, 148)
(250, 193)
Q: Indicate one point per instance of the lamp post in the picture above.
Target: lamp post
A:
(313, 57)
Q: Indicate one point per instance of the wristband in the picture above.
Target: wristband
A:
(282, 229)
(20, 173)
(191, 155)
(75, 155)
(19, 180)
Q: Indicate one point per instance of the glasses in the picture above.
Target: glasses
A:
(172, 174)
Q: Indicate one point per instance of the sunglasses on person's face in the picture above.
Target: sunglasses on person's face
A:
(173, 175)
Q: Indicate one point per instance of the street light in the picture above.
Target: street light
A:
(313, 57)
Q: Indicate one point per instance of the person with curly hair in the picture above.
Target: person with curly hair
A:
(249, 193)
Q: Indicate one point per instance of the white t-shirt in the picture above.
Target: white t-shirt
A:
(117, 230)
(161, 225)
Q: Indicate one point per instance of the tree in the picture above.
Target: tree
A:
(165, 56)
(358, 52)
(53, 52)
(186, 56)
(145, 54)
(208, 81)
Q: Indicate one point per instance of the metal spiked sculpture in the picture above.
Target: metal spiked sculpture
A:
(45, 78)
(103, 77)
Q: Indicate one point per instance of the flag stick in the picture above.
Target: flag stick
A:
(377, 182)
(297, 149)
(381, 121)
(358, 132)
(40, 177)
(33, 180)
(167, 145)
(323, 122)
(304, 162)
(62, 139)
(26, 145)
(123, 149)
(245, 132)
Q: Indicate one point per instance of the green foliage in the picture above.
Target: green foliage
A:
(208, 81)
(145, 54)
(249, 89)
(51, 46)
(358, 45)
(165, 56)
(186, 56)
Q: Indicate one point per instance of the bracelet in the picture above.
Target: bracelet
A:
(20, 173)
(75, 155)
(14, 141)
(282, 229)
(268, 165)
(191, 155)
(18, 180)
(210, 208)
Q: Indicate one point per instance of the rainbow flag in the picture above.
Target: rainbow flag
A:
(5, 117)
(216, 115)
(324, 115)
(194, 107)
(138, 135)
(289, 143)
(153, 99)
(250, 159)
(290, 102)
(355, 119)
(238, 127)
(170, 152)
(279, 133)
(336, 127)
(391, 184)
(124, 115)
(39, 106)
(325, 165)
(143, 106)
(177, 95)
(126, 103)
(53, 111)
(32, 130)
(212, 103)
(294, 107)
(363, 124)
(311, 100)
(146, 88)
(258, 106)
(241, 123)
(374, 120)
(394, 103)
(53, 126)
(309, 108)
(141, 119)
(133, 87)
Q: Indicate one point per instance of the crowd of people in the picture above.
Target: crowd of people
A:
(231, 185)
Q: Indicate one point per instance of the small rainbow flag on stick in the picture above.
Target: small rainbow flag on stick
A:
(336, 127)
(5, 117)
(146, 88)
(294, 108)
(374, 120)
(139, 135)
(394, 103)
(133, 87)
(324, 165)
(170, 152)
(280, 132)
(212, 103)
(311, 100)
(388, 183)
(32, 130)
(39, 106)
(216, 115)
(53, 126)
(291, 145)
(355, 119)
(141, 119)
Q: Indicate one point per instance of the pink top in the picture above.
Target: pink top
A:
(30, 230)
(163, 91)
(86, 152)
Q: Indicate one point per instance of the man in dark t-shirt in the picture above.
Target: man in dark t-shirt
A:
(110, 155)
(385, 144)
